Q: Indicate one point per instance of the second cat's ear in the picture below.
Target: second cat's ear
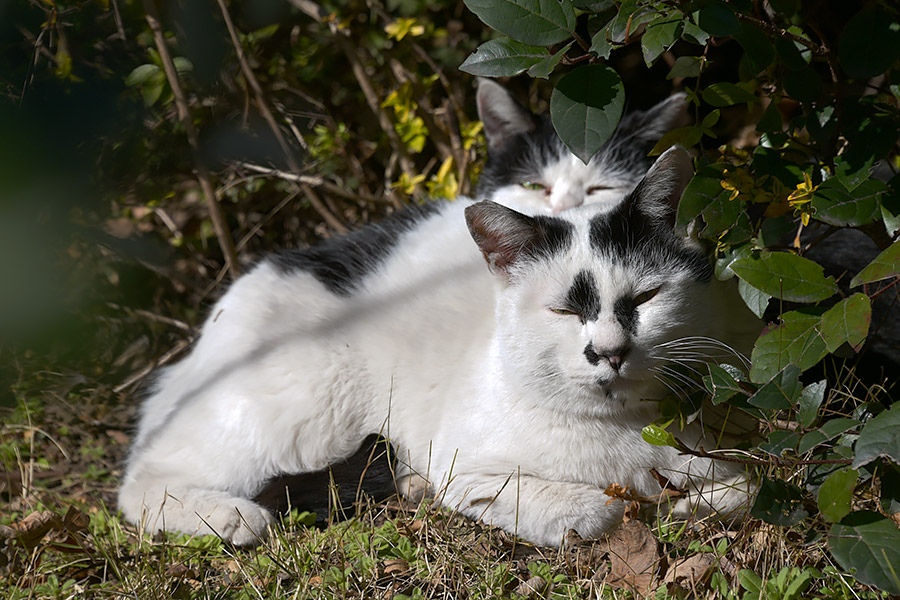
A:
(658, 193)
(502, 115)
(646, 127)
(507, 238)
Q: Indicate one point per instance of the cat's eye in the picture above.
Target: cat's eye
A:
(533, 185)
(562, 311)
(645, 296)
(598, 188)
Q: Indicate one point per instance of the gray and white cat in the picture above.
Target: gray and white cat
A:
(531, 170)
(512, 360)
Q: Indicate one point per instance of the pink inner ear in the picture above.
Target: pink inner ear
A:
(501, 233)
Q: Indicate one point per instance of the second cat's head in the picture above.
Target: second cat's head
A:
(530, 169)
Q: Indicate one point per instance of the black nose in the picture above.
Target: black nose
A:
(615, 357)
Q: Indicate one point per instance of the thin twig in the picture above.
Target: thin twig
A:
(263, 107)
(162, 360)
(316, 12)
(311, 180)
(226, 242)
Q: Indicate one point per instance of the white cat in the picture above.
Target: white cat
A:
(517, 389)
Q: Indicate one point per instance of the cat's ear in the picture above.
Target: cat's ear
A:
(646, 127)
(503, 117)
(658, 193)
(506, 237)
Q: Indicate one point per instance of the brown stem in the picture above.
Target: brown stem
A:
(263, 107)
(315, 11)
(772, 462)
(223, 234)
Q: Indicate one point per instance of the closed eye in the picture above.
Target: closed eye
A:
(562, 311)
(645, 296)
(533, 185)
(598, 188)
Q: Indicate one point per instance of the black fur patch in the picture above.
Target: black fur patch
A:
(591, 354)
(625, 312)
(627, 235)
(340, 263)
(583, 297)
(369, 471)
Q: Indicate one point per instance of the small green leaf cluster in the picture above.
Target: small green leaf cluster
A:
(819, 93)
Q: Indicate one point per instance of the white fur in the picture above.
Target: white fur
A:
(484, 391)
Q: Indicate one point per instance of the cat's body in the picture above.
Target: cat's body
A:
(517, 390)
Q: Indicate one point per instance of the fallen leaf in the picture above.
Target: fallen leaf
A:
(395, 566)
(35, 526)
(634, 557)
(532, 587)
(690, 573)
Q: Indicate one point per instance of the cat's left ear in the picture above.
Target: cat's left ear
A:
(507, 237)
(658, 193)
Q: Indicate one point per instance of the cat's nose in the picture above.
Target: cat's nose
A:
(614, 357)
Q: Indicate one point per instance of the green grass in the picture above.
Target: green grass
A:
(61, 451)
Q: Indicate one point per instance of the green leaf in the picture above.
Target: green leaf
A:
(629, 20)
(182, 65)
(847, 321)
(810, 400)
(780, 441)
(543, 68)
(835, 494)
(685, 66)
(757, 46)
(827, 432)
(790, 54)
(659, 36)
(694, 34)
(657, 436)
(890, 206)
(586, 107)
(885, 265)
(779, 503)
(717, 19)
(834, 205)
(755, 300)
(726, 94)
(683, 136)
(804, 84)
(141, 74)
(879, 438)
(870, 544)
(890, 489)
(534, 22)
(502, 58)
(600, 44)
(869, 44)
(781, 392)
(721, 384)
(703, 189)
(796, 341)
(786, 276)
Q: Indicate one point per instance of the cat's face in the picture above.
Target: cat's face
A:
(592, 299)
(531, 170)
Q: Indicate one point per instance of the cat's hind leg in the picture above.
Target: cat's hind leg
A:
(155, 505)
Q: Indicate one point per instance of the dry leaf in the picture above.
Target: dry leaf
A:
(534, 586)
(395, 566)
(35, 526)
(634, 557)
(690, 573)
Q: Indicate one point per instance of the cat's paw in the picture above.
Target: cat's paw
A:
(243, 524)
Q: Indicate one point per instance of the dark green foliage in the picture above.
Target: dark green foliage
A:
(820, 84)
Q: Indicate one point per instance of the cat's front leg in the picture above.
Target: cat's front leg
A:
(726, 500)
(536, 509)
(156, 505)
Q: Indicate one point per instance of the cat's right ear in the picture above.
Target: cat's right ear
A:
(503, 117)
